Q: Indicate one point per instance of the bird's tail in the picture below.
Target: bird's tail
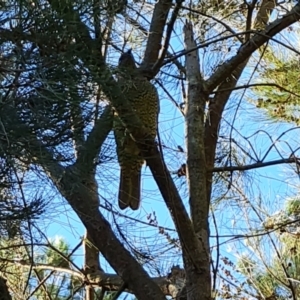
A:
(130, 189)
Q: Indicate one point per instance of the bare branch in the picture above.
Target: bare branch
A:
(170, 27)
(170, 285)
(203, 45)
(156, 31)
(215, 19)
(173, 201)
(194, 114)
(133, 22)
(257, 165)
(264, 13)
(216, 108)
(94, 142)
(281, 88)
(251, 46)
(52, 268)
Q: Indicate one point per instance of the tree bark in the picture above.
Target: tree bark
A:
(198, 285)
(91, 263)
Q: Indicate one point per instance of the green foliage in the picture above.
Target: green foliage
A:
(280, 95)
(269, 275)
(293, 207)
(53, 257)
(265, 279)
(58, 285)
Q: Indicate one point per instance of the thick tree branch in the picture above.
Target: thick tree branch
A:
(177, 63)
(251, 46)
(196, 286)
(156, 31)
(91, 148)
(169, 31)
(91, 260)
(194, 120)
(168, 190)
(263, 14)
(212, 124)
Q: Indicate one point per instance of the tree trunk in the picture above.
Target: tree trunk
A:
(198, 283)
(91, 263)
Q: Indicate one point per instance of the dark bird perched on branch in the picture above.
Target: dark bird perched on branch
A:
(143, 97)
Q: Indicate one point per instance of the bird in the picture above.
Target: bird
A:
(144, 100)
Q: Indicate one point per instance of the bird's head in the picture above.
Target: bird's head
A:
(127, 61)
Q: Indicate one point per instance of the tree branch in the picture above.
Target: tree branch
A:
(158, 22)
(263, 14)
(133, 22)
(196, 287)
(226, 26)
(170, 285)
(95, 140)
(168, 190)
(212, 124)
(257, 165)
(170, 27)
(194, 119)
(251, 46)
